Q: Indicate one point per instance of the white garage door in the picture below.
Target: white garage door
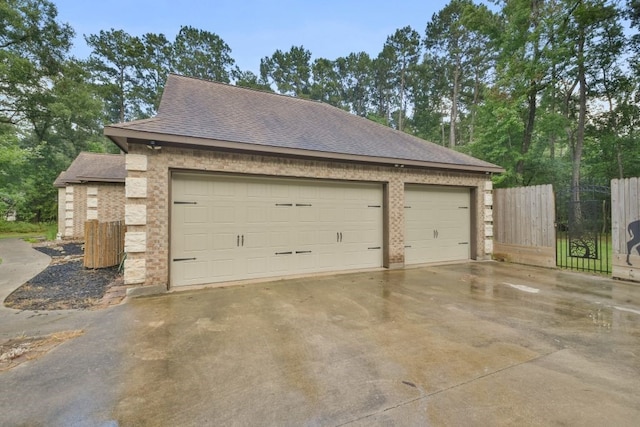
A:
(437, 224)
(226, 228)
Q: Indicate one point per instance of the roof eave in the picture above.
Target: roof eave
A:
(116, 136)
(83, 179)
(123, 137)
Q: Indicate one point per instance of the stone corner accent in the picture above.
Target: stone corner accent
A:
(135, 214)
(135, 241)
(134, 271)
(488, 247)
(136, 187)
(136, 162)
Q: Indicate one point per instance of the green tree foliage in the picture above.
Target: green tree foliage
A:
(458, 39)
(249, 80)
(48, 112)
(355, 80)
(33, 46)
(290, 71)
(326, 83)
(548, 89)
(202, 54)
(404, 46)
(113, 61)
(129, 71)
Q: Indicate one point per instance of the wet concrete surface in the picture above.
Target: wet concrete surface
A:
(468, 344)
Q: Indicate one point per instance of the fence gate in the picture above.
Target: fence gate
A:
(583, 229)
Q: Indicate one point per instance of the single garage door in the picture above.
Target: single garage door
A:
(437, 224)
(226, 228)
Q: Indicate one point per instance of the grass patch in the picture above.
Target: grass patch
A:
(603, 264)
(28, 231)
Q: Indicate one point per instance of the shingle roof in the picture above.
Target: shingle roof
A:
(93, 167)
(210, 111)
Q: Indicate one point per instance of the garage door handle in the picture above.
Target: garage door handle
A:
(242, 240)
(463, 207)
(302, 204)
(407, 246)
(284, 253)
(183, 259)
(284, 204)
(374, 206)
(185, 203)
(463, 243)
(375, 247)
(303, 252)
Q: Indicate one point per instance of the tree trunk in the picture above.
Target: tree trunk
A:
(582, 114)
(476, 98)
(122, 95)
(619, 160)
(454, 108)
(528, 129)
(401, 99)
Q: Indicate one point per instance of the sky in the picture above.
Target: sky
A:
(254, 29)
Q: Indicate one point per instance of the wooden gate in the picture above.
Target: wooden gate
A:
(523, 222)
(103, 243)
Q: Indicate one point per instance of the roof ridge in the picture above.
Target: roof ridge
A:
(92, 153)
(266, 92)
(126, 124)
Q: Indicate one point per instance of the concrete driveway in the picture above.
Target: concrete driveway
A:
(468, 344)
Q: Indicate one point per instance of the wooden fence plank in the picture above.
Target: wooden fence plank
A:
(615, 216)
(104, 243)
(625, 209)
(525, 218)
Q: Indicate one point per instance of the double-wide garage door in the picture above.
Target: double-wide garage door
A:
(226, 228)
(437, 224)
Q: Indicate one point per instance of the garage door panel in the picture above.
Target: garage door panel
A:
(255, 214)
(195, 269)
(274, 213)
(221, 268)
(196, 188)
(223, 214)
(223, 241)
(257, 265)
(195, 242)
(195, 215)
(437, 221)
(308, 214)
(329, 215)
(312, 225)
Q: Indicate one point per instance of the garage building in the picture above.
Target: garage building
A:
(228, 184)
(91, 188)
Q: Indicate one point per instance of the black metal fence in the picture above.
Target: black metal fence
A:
(583, 229)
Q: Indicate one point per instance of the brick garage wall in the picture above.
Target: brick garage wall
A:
(79, 211)
(147, 204)
(111, 201)
(78, 203)
(62, 200)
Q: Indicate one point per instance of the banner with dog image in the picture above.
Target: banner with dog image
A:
(625, 207)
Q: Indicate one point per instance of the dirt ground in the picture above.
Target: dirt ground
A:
(65, 283)
(22, 349)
